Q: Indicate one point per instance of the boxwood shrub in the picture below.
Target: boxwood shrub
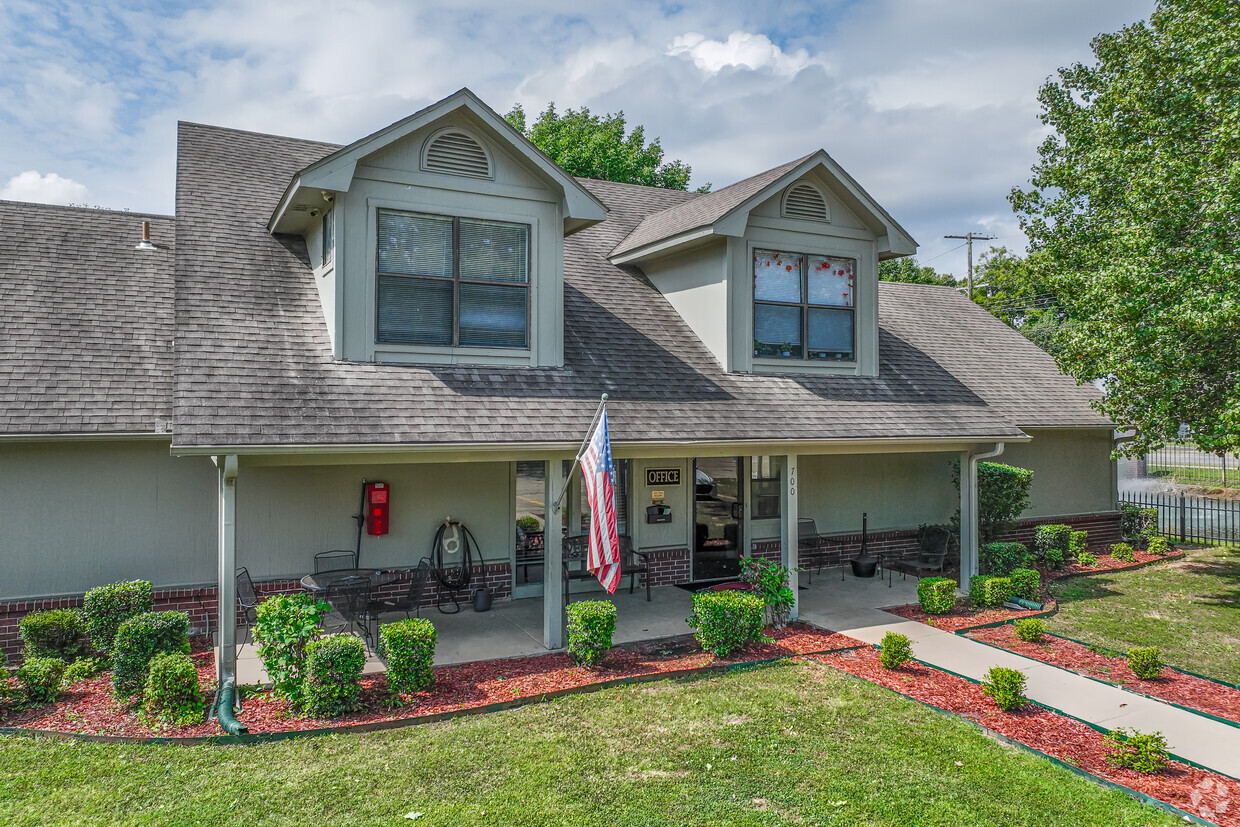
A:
(107, 607)
(286, 625)
(1086, 559)
(1078, 541)
(333, 682)
(1054, 558)
(895, 650)
(1002, 558)
(171, 693)
(1030, 629)
(408, 649)
(140, 639)
(1006, 687)
(987, 591)
(1026, 583)
(1051, 536)
(1137, 524)
(591, 623)
(1123, 553)
(1140, 751)
(40, 679)
(58, 633)
(936, 595)
(726, 620)
(1158, 545)
(1145, 662)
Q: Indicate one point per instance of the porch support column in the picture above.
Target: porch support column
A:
(969, 513)
(227, 588)
(553, 547)
(789, 539)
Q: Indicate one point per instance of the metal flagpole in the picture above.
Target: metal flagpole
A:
(589, 433)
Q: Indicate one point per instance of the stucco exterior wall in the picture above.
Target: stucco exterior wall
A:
(1073, 472)
(896, 490)
(79, 514)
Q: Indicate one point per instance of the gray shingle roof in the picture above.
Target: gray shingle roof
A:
(701, 210)
(86, 325)
(254, 366)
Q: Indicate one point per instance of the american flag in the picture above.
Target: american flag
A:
(597, 472)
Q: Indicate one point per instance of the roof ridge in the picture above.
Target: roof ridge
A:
(218, 128)
(87, 210)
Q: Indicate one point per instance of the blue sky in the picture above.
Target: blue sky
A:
(930, 104)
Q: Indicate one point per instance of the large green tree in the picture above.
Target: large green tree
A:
(595, 146)
(1135, 213)
(1016, 290)
(907, 270)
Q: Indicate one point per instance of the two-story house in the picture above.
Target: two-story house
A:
(439, 307)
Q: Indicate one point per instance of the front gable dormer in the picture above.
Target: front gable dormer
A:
(777, 273)
(439, 240)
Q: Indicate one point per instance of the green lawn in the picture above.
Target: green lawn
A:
(1190, 609)
(792, 743)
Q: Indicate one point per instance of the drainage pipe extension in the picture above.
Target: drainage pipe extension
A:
(224, 710)
(969, 568)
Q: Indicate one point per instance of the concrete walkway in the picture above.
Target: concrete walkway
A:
(1192, 737)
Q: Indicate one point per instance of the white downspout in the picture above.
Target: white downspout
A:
(227, 586)
(969, 515)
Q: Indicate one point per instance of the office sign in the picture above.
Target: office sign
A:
(662, 476)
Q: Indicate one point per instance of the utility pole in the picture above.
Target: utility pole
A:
(968, 240)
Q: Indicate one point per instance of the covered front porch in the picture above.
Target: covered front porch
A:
(514, 628)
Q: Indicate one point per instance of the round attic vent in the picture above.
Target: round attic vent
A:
(805, 201)
(456, 153)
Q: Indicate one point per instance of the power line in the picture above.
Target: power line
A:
(940, 255)
(968, 240)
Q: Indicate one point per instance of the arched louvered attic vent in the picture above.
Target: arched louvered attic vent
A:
(456, 153)
(805, 201)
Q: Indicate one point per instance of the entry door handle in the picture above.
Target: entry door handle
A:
(738, 510)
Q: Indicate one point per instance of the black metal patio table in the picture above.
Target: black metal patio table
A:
(377, 577)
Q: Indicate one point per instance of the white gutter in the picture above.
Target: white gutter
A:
(969, 515)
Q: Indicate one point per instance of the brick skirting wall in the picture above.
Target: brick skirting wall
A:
(667, 567)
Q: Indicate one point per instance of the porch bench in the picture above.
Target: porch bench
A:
(632, 563)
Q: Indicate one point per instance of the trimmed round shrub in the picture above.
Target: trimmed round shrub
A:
(40, 679)
(1140, 751)
(1026, 583)
(895, 651)
(83, 669)
(1078, 541)
(1054, 558)
(285, 626)
(408, 649)
(1052, 536)
(58, 633)
(1158, 545)
(171, 693)
(987, 591)
(1145, 662)
(107, 607)
(333, 681)
(1001, 558)
(1123, 553)
(1006, 687)
(726, 620)
(1086, 559)
(591, 623)
(140, 639)
(1030, 629)
(1136, 523)
(936, 595)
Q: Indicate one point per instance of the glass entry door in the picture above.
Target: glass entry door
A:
(717, 513)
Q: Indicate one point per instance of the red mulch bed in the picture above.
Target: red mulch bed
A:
(1193, 790)
(964, 616)
(88, 707)
(1108, 563)
(1173, 686)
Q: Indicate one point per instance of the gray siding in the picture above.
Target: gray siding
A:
(79, 514)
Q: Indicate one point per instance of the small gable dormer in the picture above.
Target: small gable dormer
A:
(777, 273)
(440, 240)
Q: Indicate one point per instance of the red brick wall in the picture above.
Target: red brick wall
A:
(668, 567)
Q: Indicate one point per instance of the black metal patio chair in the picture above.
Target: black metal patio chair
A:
(334, 561)
(349, 599)
(412, 599)
(247, 601)
(931, 557)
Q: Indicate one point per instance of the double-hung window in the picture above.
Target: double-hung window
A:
(452, 282)
(803, 306)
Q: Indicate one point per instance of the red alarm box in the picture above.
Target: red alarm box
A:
(377, 504)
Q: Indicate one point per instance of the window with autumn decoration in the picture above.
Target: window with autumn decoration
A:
(452, 282)
(803, 306)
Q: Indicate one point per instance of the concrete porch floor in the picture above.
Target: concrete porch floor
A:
(513, 628)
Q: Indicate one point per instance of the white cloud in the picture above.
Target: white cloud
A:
(44, 189)
(743, 50)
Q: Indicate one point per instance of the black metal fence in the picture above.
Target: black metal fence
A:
(1191, 519)
(1185, 464)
